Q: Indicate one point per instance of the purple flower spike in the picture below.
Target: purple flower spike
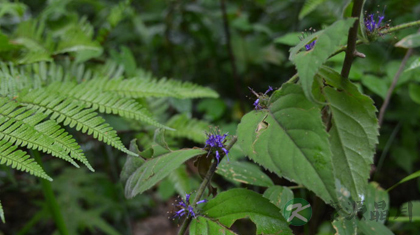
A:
(372, 24)
(216, 142)
(257, 104)
(185, 208)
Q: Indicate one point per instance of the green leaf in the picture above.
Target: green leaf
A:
(234, 204)
(244, 172)
(327, 42)
(181, 181)
(411, 41)
(278, 195)
(414, 92)
(157, 168)
(410, 177)
(376, 85)
(189, 128)
(376, 202)
(372, 228)
(290, 39)
(354, 132)
(290, 139)
(345, 226)
(206, 226)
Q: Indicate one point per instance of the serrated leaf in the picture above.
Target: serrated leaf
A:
(278, 195)
(234, 204)
(157, 168)
(410, 41)
(289, 139)
(327, 42)
(205, 226)
(244, 172)
(354, 132)
(367, 227)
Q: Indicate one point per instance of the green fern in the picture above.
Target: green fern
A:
(309, 6)
(146, 87)
(19, 160)
(192, 129)
(71, 114)
(89, 94)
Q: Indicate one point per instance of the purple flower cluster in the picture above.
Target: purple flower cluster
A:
(372, 24)
(257, 104)
(185, 208)
(216, 141)
(309, 46)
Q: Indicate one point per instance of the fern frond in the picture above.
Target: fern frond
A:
(94, 98)
(74, 115)
(192, 129)
(19, 160)
(22, 134)
(146, 87)
(64, 140)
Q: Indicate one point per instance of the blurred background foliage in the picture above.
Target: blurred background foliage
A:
(187, 40)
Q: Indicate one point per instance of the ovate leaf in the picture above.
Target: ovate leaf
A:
(327, 42)
(414, 92)
(376, 203)
(229, 206)
(206, 226)
(289, 139)
(155, 169)
(354, 132)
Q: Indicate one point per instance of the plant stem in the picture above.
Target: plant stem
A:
(392, 87)
(203, 187)
(351, 41)
(401, 26)
(51, 200)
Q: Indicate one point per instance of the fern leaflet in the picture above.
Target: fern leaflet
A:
(192, 129)
(19, 160)
(74, 115)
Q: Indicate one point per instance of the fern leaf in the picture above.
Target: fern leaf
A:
(25, 122)
(146, 87)
(94, 98)
(192, 129)
(74, 115)
(19, 160)
(64, 140)
(22, 134)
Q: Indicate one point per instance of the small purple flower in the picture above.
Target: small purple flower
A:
(309, 46)
(185, 208)
(372, 24)
(257, 104)
(216, 141)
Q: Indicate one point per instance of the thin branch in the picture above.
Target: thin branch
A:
(236, 79)
(351, 41)
(392, 87)
(203, 187)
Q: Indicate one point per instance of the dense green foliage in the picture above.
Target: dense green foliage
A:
(81, 79)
